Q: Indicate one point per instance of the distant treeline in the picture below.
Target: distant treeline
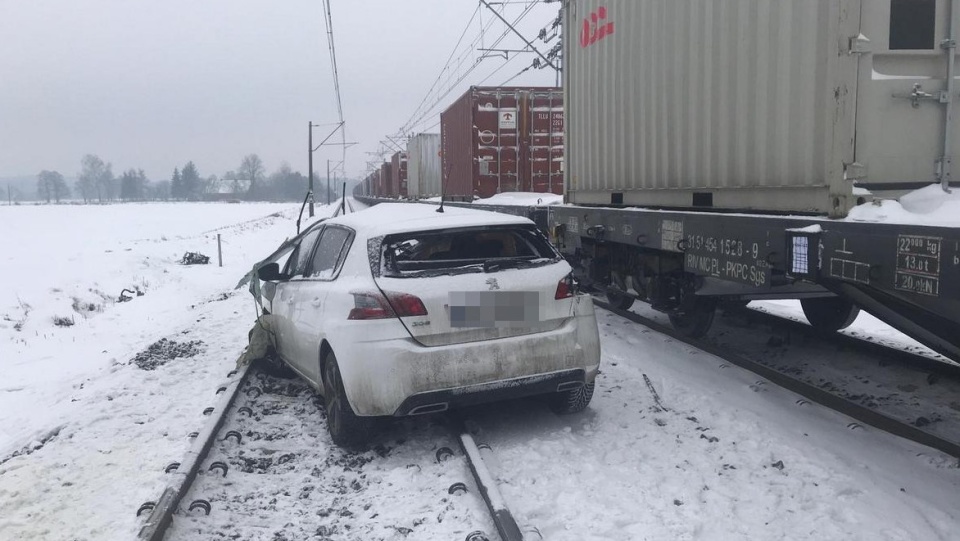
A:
(96, 183)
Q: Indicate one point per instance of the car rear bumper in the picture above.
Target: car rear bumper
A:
(397, 376)
(442, 400)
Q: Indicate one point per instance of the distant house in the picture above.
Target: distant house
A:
(225, 189)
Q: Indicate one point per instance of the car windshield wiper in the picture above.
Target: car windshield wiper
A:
(491, 265)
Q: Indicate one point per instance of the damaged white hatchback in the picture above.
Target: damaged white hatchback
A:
(403, 310)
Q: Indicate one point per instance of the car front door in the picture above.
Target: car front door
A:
(308, 318)
(287, 297)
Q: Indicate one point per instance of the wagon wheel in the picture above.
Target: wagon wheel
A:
(829, 314)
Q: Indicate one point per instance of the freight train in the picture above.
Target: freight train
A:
(714, 153)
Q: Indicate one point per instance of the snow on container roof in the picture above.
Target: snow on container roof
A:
(387, 218)
(926, 206)
(521, 198)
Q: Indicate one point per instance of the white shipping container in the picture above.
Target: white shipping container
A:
(423, 165)
(764, 105)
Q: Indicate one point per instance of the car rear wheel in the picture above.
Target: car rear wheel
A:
(572, 401)
(346, 428)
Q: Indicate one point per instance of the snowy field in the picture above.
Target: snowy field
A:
(87, 425)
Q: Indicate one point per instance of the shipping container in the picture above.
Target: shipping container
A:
(773, 105)
(423, 165)
(498, 140)
(398, 171)
(386, 181)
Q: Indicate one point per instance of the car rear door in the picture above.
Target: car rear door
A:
(475, 284)
(308, 316)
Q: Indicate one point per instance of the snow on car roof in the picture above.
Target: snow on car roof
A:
(386, 218)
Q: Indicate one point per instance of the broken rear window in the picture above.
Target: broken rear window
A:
(454, 251)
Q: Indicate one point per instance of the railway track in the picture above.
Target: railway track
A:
(264, 467)
(270, 471)
(905, 422)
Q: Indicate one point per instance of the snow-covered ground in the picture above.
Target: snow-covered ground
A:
(91, 428)
(729, 458)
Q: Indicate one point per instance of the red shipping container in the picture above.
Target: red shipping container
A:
(398, 169)
(498, 140)
(386, 181)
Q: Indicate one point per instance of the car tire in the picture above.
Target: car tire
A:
(572, 401)
(346, 428)
(273, 366)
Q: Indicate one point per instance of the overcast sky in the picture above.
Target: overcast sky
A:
(153, 84)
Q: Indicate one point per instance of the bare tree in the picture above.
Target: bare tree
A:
(45, 185)
(251, 168)
(95, 178)
(60, 188)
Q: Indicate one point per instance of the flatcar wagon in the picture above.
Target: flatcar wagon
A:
(719, 152)
(747, 132)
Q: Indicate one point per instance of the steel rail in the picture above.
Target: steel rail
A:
(502, 517)
(162, 515)
(905, 358)
(808, 391)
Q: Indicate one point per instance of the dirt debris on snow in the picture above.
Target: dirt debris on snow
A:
(164, 350)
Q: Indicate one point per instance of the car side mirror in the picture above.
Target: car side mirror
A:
(270, 273)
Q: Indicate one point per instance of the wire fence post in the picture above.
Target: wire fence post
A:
(219, 251)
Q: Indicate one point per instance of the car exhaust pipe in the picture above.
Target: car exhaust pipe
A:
(569, 386)
(430, 408)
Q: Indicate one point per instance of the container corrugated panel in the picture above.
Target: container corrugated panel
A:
(544, 142)
(386, 181)
(423, 165)
(735, 104)
(398, 170)
(498, 140)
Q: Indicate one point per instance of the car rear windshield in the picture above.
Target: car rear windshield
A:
(454, 251)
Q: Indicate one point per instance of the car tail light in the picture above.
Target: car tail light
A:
(406, 305)
(565, 289)
(373, 305)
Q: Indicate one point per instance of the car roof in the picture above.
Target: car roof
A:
(387, 218)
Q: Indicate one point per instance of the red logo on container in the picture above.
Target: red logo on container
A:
(595, 27)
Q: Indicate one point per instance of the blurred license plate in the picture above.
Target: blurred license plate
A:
(494, 308)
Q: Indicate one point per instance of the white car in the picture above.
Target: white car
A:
(403, 310)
